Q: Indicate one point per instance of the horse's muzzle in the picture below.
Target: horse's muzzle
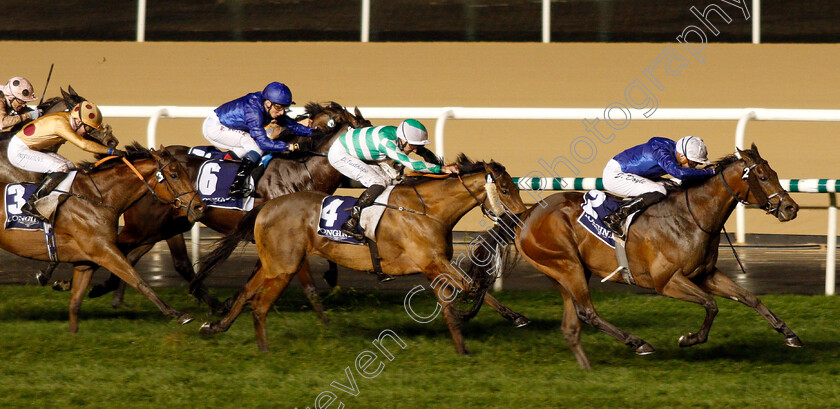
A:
(788, 209)
(196, 209)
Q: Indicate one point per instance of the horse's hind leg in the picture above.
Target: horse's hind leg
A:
(304, 275)
(719, 284)
(82, 274)
(570, 275)
(254, 285)
(263, 300)
(518, 319)
(682, 288)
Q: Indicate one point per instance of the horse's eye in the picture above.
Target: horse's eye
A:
(763, 178)
(505, 191)
(173, 175)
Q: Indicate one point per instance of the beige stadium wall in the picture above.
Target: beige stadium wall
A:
(480, 75)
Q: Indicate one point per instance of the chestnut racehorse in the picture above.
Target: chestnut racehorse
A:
(415, 241)
(86, 224)
(672, 248)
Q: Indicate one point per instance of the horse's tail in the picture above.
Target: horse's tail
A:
(224, 248)
(492, 255)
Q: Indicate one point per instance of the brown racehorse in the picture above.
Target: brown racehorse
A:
(149, 221)
(672, 248)
(86, 224)
(410, 242)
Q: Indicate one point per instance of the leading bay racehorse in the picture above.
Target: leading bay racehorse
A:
(672, 248)
(410, 242)
(86, 224)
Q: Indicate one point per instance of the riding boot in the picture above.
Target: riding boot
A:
(615, 220)
(351, 226)
(239, 188)
(50, 182)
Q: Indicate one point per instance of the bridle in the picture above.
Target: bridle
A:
(495, 212)
(752, 183)
(176, 202)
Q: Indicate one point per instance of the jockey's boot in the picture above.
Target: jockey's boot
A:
(239, 188)
(50, 182)
(351, 226)
(615, 220)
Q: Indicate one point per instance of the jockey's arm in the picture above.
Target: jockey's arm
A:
(392, 152)
(293, 126)
(8, 121)
(90, 146)
(666, 160)
(427, 154)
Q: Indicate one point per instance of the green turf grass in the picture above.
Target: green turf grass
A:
(136, 358)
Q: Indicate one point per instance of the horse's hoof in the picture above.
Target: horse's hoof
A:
(97, 291)
(185, 319)
(794, 342)
(42, 278)
(645, 349)
(521, 321)
(63, 285)
(206, 329)
(685, 340)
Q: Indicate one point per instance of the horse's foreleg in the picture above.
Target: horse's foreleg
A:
(183, 265)
(108, 256)
(518, 319)
(682, 288)
(719, 284)
(263, 300)
(331, 275)
(113, 282)
(254, 284)
(82, 274)
(304, 275)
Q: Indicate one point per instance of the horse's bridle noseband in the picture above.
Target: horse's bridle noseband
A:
(752, 183)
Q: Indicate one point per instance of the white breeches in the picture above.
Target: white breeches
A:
(628, 184)
(21, 156)
(356, 169)
(222, 137)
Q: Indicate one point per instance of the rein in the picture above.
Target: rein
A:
(159, 178)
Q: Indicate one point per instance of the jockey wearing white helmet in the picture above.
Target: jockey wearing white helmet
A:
(353, 152)
(630, 172)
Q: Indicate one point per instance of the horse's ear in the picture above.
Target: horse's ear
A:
(358, 113)
(72, 91)
(755, 149)
(67, 97)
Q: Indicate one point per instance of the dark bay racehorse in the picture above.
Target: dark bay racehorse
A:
(413, 242)
(148, 221)
(86, 224)
(11, 174)
(672, 248)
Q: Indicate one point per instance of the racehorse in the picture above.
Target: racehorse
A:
(12, 174)
(672, 248)
(149, 221)
(86, 224)
(409, 242)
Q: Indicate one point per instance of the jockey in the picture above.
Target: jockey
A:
(239, 126)
(629, 173)
(352, 153)
(34, 147)
(16, 93)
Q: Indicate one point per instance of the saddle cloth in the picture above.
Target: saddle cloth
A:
(213, 182)
(335, 210)
(211, 152)
(18, 193)
(596, 205)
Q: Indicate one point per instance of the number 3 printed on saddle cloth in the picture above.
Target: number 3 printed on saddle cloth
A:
(16, 195)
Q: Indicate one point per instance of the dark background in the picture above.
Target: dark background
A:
(409, 20)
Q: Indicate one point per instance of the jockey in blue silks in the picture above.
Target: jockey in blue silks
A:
(239, 126)
(630, 172)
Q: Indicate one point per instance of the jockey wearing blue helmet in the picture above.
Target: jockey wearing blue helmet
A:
(239, 126)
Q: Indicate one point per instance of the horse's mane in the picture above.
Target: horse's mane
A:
(466, 166)
(134, 152)
(719, 165)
